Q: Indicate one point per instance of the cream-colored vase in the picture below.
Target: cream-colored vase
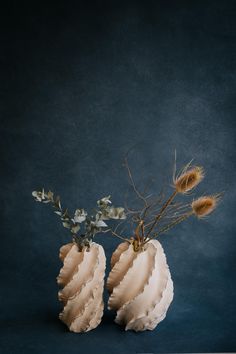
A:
(140, 286)
(82, 279)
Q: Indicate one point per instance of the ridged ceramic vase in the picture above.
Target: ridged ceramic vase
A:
(140, 286)
(82, 280)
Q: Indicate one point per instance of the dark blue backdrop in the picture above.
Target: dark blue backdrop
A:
(80, 85)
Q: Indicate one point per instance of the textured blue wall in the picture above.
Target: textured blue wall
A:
(80, 85)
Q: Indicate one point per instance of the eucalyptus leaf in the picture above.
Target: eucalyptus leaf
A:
(42, 194)
(66, 224)
(100, 223)
(104, 201)
(37, 195)
(65, 215)
(50, 195)
(80, 215)
(75, 228)
(116, 213)
(57, 203)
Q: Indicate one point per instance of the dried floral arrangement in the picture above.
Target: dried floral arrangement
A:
(157, 216)
(140, 285)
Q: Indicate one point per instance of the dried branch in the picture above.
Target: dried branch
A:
(132, 182)
(160, 214)
(120, 237)
(169, 226)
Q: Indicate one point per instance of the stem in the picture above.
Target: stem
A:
(137, 233)
(133, 184)
(144, 212)
(168, 227)
(142, 229)
(122, 238)
(158, 217)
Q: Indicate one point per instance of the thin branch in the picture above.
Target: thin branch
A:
(131, 211)
(169, 226)
(145, 210)
(132, 182)
(178, 211)
(148, 185)
(142, 230)
(120, 223)
(174, 169)
(120, 237)
(158, 217)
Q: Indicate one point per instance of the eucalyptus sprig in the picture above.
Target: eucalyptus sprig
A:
(90, 225)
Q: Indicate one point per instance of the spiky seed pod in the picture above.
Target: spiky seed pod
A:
(140, 286)
(82, 279)
(189, 179)
(203, 206)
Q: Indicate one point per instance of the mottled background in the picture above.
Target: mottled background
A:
(80, 85)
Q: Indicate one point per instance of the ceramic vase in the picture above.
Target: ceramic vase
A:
(140, 286)
(82, 280)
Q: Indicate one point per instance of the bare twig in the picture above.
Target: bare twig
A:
(169, 226)
(120, 237)
(118, 225)
(132, 182)
(159, 215)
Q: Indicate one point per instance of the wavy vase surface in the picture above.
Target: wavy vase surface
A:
(140, 286)
(82, 280)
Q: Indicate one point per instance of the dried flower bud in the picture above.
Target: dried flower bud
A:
(205, 205)
(189, 179)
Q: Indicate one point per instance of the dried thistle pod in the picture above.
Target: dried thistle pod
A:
(188, 179)
(140, 286)
(205, 205)
(82, 282)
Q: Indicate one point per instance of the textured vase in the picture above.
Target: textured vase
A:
(140, 286)
(82, 282)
